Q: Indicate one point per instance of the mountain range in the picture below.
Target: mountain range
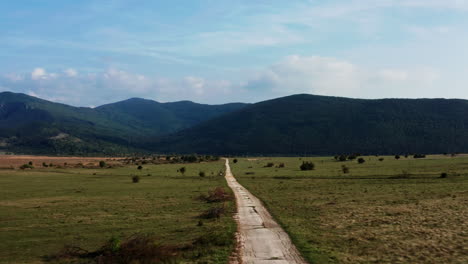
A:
(294, 125)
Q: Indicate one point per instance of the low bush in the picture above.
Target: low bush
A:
(361, 160)
(307, 165)
(234, 160)
(269, 165)
(201, 174)
(281, 165)
(443, 175)
(345, 169)
(26, 166)
(102, 164)
(212, 213)
(216, 196)
(138, 249)
(135, 179)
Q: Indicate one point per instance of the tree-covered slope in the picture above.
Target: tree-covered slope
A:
(308, 124)
(33, 125)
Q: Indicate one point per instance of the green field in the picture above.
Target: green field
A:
(42, 210)
(390, 211)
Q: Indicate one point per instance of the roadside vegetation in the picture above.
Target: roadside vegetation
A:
(110, 212)
(367, 209)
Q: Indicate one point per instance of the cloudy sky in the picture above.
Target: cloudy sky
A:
(88, 53)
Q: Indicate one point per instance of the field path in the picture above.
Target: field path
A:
(261, 239)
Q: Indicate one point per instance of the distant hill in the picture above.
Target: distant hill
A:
(33, 125)
(319, 125)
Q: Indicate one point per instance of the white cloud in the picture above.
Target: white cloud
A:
(335, 77)
(38, 73)
(71, 72)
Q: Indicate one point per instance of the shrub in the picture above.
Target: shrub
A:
(397, 157)
(102, 164)
(215, 212)
(135, 179)
(30, 163)
(182, 170)
(26, 166)
(44, 165)
(140, 167)
(345, 169)
(443, 175)
(281, 165)
(419, 156)
(234, 160)
(216, 196)
(342, 158)
(352, 157)
(269, 165)
(381, 159)
(361, 160)
(307, 165)
(201, 174)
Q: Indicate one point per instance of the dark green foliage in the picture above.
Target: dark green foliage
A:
(44, 165)
(307, 165)
(361, 160)
(102, 164)
(182, 170)
(269, 165)
(135, 179)
(397, 157)
(215, 212)
(344, 169)
(320, 125)
(201, 174)
(26, 166)
(443, 175)
(419, 156)
(281, 165)
(381, 159)
(234, 160)
(35, 126)
(139, 167)
(341, 158)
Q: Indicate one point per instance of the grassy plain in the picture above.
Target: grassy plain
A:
(43, 209)
(390, 211)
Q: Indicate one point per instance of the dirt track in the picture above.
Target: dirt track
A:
(261, 239)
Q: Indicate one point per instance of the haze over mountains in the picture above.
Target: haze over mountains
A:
(293, 125)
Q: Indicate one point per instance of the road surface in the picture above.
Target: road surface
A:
(261, 239)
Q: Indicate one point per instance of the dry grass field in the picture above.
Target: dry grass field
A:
(389, 211)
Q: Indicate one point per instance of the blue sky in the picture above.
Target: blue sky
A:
(88, 53)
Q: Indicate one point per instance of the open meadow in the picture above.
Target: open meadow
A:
(383, 210)
(44, 209)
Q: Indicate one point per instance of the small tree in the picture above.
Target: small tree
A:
(345, 169)
(135, 179)
(182, 170)
(342, 158)
(361, 160)
(44, 165)
(201, 174)
(397, 157)
(307, 165)
(140, 167)
(234, 160)
(30, 163)
(102, 164)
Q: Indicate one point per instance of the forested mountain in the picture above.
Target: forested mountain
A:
(294, 125)
(33, 125)
(320, 125)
